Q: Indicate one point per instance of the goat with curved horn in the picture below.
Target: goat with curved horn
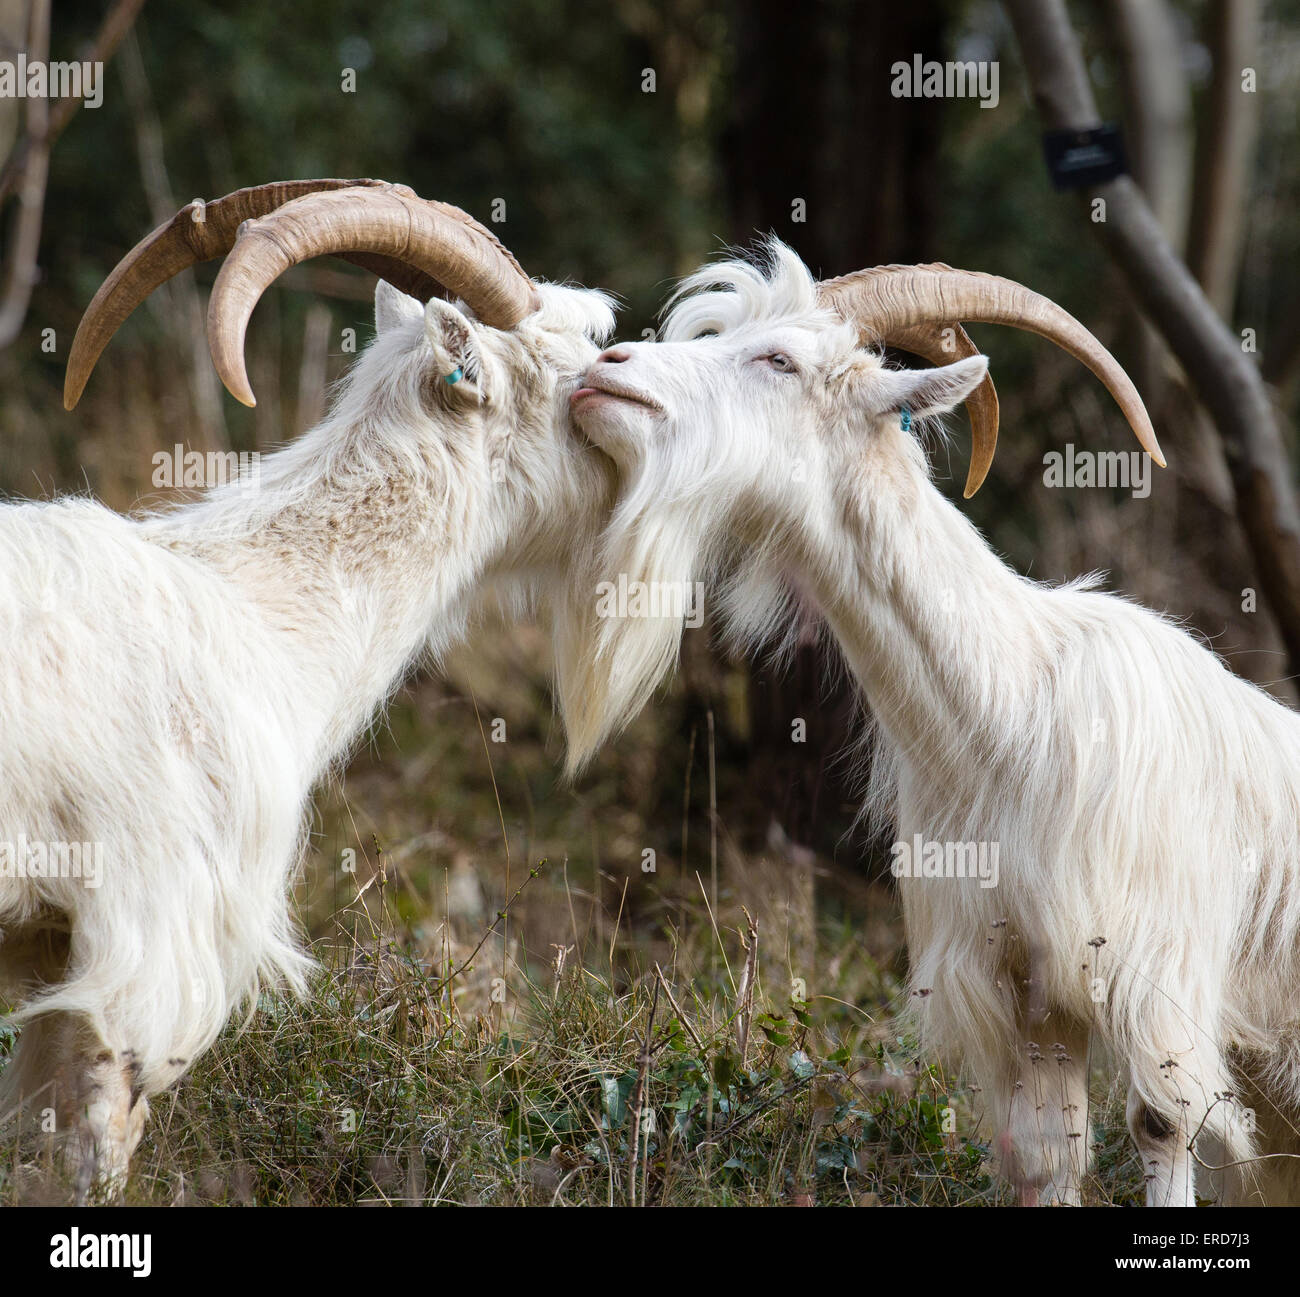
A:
(1061, 770)
(392, 223)
(421, 247)
(911, 306)
(216, 657)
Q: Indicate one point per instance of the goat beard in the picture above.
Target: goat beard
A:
(609, 663)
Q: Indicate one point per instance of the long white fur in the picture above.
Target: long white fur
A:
(1141, 794)
(173, 685)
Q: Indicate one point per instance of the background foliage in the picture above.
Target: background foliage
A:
(543, 106)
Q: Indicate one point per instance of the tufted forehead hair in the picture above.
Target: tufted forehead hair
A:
(770, 286)
(567, 309)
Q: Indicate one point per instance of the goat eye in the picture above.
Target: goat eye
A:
(780, 361)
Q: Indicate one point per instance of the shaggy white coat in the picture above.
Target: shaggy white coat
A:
(1146, 800)
(172, 686)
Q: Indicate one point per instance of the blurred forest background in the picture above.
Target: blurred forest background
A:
(620, 146)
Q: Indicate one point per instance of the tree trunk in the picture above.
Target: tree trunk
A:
(819, 152)
(1226, 380)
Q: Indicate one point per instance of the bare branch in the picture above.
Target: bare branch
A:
(1227, 150)
(117, 22)
(312, 372)
(1224, 377)
(182, 300)
(26, 240)
(1157, 109)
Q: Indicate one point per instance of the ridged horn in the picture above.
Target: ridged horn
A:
(390, 222)
(204, 231)
(198, 232)
(941, 344)
(912, 306)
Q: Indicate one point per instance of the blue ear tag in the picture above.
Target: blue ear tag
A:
(905, 418)
(455, 376)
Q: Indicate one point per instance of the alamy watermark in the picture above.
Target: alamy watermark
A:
(926, 859)
(76, 1250)
(680, 600)
(37, 79)
(200, 470)
(33, 858)
(930, 79)
(1130, 470)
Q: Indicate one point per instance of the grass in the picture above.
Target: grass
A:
(371, 1091)
(380, 1088)
(483, 1031)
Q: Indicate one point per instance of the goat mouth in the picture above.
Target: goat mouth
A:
(590, 390)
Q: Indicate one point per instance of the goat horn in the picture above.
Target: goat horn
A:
(389, 222)
(895, 303)
(198, 232)
(941, 344)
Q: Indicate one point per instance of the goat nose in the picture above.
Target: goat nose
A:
(614, 356)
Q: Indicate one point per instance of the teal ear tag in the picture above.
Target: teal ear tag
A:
(905, 419)
(455, 376)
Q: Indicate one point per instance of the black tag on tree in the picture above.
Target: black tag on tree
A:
(1079, 158)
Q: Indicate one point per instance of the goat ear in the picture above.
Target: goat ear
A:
(453, 339)
(928, 391)
(393, 308)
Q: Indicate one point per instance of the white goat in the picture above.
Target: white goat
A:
(1145, 800)
(173, 685)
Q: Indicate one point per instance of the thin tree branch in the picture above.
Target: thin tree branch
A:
(1224, 377)
(26, 240)
(1227, 149)
(1158, 139)
(181, 294)
(1157, 108)
(117, 22)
